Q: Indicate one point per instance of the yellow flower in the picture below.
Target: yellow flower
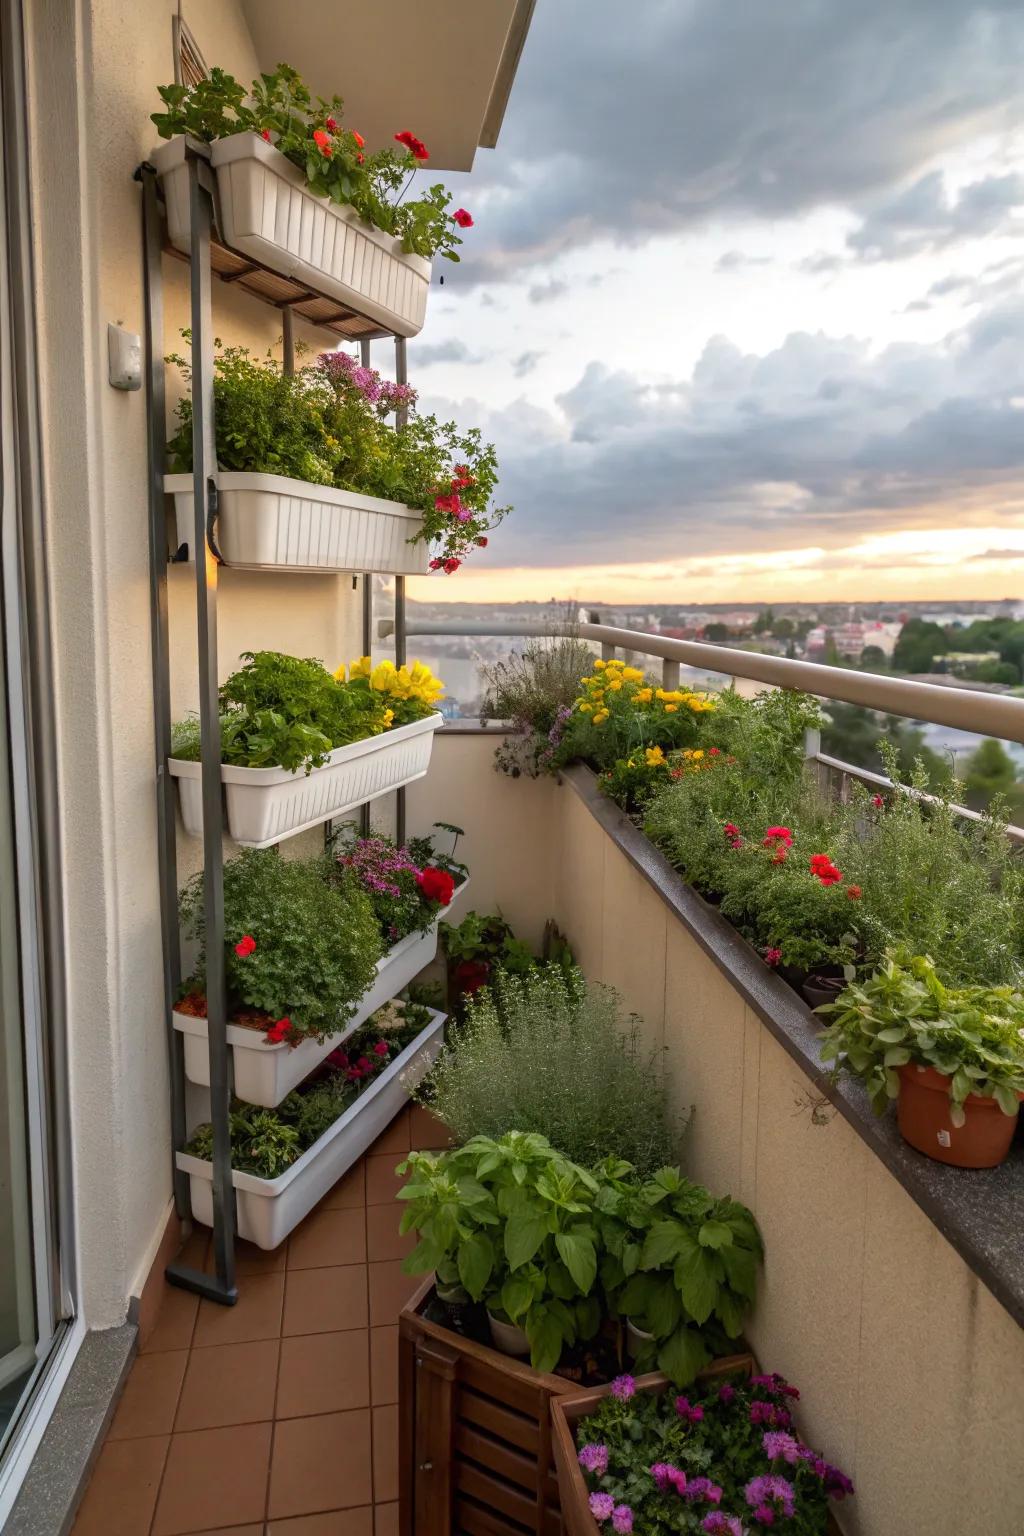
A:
(697, 754)
(599, 666)
(339, 673)
(655, 757)
(389, 715)
(644, 695)
(585, 709)
(633, 675)
(601, 717)
(360, 668)
(383, 677)
(586, 681)
(615, 684)
(675, 697)
(671, 709)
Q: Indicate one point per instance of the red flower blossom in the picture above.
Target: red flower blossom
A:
(780, 856)
(822, 866)
(451, 566)
(245, 946)
(332, 125)
(777, 835)
(452, 503)
(463, 219)
(854, 892)
(359, 140)
(435, 565)
(462, 477)
(364, 1064)
(731, 829)
(877, 802)
(279, 1032)
(415, 146)
(381, 1048)
(772, 955)
(480, 543)
(436, 885)
(265, 134)
(714, 751)
(322, 142)
(360, 158)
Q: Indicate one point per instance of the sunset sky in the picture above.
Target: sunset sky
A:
(743, 308)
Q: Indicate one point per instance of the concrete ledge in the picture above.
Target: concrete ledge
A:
(49, 1496)
(978, 1212)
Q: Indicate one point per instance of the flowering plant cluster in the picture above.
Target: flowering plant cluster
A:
(406, 889)
(333, 158)
(290, 712)
(633, 781)
(328, 424)
(723, 1461)
(555, 1247)
(266, 1142)
(619, 710)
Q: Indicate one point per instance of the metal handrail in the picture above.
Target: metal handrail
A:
(967, 709)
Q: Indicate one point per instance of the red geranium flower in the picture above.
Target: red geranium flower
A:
(322, 142)
(480, 543)
(877, 802)
(415, 146)
(772, 956)
(822, 866)
(451, 503)
(360, 158)
(714, 751)
(280, 1031)
(331, 124)
(435, 565)
(777, 835)
(731, 829)
(364, 1064)
(381, 1048)
(436, 885)
(451, 566)
(854, 892)
(359, 139)
(463, 219)
(265, 134)
(245, 946)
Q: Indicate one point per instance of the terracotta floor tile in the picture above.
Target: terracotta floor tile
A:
(340, 1522)
(383, 1240)
(382, 1182)
(232, 1530)
(386, 1520)
(320, 1463)
(318, 1299)
(426, 1132)
(385, 1454)
(350, 1192)
(390, 1289)
(384, 1364)
(323, 1373)
(329, 1237)
(214, 1477)
(250, 1260)
(256, 1315)
(229, 1384)
(150, 1396)
(396, 1137)
(175, 1323)
(123, 1488)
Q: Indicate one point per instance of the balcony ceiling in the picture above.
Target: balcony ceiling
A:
(443, 70)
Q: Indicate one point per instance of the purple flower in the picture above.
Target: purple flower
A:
(764, 1515)
(622, 1519)
(778, 1444)
(623, 1387)
(762, 1412)
(726, 1394)
(602, 1505)
(687, 1411)
(717, 1524)
(702, 1488)
(667, 1476)
(594, 1458)
(763, 1492)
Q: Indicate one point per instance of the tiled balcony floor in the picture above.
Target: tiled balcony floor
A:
(279, 1416)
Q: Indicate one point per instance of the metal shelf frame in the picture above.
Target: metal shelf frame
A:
(221, 1285)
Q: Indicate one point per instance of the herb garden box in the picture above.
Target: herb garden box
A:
(265, 805)
(265, 1073)
(273, 523)
(266, 211)
(474, 1434)
(269, 1209)
(568, 1409)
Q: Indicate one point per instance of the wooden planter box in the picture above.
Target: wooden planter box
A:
(570, 1407)
(475, 1453)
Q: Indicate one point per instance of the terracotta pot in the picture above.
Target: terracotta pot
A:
(923, 1113)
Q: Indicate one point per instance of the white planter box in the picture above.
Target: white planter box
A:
(272, 523)
(268, 1209)
(265, 805)
(264, 1073)
(266, 211)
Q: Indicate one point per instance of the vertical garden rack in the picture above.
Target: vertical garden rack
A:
(209, 255)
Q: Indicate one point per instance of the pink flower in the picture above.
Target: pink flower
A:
(772, 956)
(623, 1387)
(594, 1459)
(622, 1519)
(463, 219)
(602, 1505)
(381, 1048)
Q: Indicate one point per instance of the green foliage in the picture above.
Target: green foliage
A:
(510, 1221)
(545, 1052)
(486, 936)
(679, 1263)
(534, 690)
(919, 642)
(315, 946)
(903, 1014)
(310, 134)
(857, 736)
(990, 776)
(266, 1142)
(717, 1439)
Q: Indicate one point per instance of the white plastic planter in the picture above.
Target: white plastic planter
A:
(265, 1073)
(273, 523)
(265, 805)
(266, 211)
(268, 1209)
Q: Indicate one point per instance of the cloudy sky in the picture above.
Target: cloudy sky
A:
(743, 309)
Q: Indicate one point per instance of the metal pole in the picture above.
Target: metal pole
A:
(221, 1288)
(288, 341)
(401, 418)
(367, 642)
(167, 862)
(670, 676)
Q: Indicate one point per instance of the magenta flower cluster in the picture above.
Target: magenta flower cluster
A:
(603, 1507)
(717, 1524)
(623, 1387)
(376, 862)
(342, 368)
(594, 1459)
(770, 1495)
(686, 1410)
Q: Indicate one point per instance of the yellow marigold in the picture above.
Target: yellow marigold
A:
(339, 673)
(599, 665)
(615, 684)
(671, 709)
(601, 717)
(655, 757)
(673, 697)
(644, 695)
(360, 668)
(633, 675)
(585, 709)
(384, 677)
(389, 715)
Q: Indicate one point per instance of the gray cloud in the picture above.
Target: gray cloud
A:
(546, 293)
(926, 217)
(426, 354)
(738, 261)
(818, 440)
(718, 106)
(525, 363)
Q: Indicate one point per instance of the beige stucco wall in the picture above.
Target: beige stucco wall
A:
(912, 1372)
(94, 73)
